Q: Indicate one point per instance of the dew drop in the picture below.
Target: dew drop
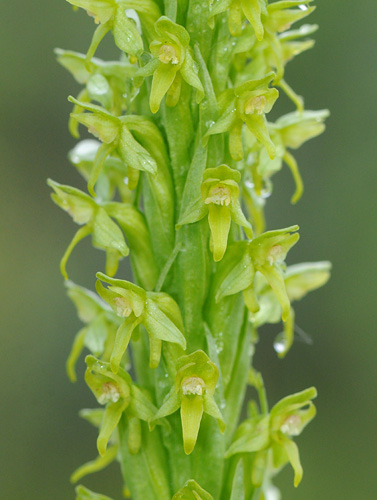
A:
(280, 343)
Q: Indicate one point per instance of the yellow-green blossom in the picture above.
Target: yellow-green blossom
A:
(266, 254)
(157, 312)
(275, 430)
(246, 104)
(193, 393)
(94, 220)
(219, 199)
(171, 64)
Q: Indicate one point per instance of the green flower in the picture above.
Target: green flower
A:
(94, 220)
(256, 59)
(265, 18)
(113, 175)
(274, 431)
(290, 131)
(112, 390)
(108, 83)
(252, 10)
(192, 491)
(219, 199)
(172, 62)
(265, 254)
(193, 392)
(247, 104)
(120, 396)
(112, 15)
(157, 312)
(299, 280)
(116, 137)
(98, 334)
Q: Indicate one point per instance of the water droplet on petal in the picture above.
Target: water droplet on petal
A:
(280, 343)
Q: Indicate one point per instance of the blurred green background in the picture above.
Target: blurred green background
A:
(42, 439)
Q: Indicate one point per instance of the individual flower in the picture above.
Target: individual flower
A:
(113, 176)
(299, 279)
(120, 397)
(94, 220)
(289, 132)
(265, 254)
(193, 393)
(264, 18)
(108, 83)
(157, 312)
(255, 59)
(112, 15)
(273, 432)
(252, 10)
(192, 491)
(112, 390)
(171, 63)
(115, 136)
(219, 200)
(101, 324)
(247, 104)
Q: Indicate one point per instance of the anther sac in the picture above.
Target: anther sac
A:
(178, 173)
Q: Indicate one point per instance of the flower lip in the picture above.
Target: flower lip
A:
(167, 54)
(219, 195)
(193, 386)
